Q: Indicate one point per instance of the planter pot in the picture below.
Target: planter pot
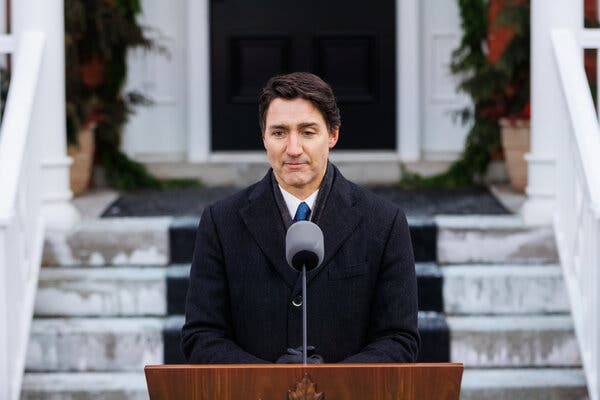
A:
(83, 159)
(514, 135)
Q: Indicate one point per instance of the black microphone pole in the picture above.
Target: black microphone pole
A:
(304, 322)
(304, 251)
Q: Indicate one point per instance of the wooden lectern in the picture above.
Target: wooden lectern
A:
(310, 382)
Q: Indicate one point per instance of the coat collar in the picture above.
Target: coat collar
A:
(339, 219)
(263, 220)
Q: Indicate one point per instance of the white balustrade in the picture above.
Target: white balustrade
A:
(577, 213)
(21, 220)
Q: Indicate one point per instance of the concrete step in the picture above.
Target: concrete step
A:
(182, 236)
(101, 291)
(435, 338)
(493, 239)
(513, 341)
(524, 384)
(153, 291)
(489, 384)
(429, 282)
(94, 344)
(160, 240)
(105, 241)
(84, 386)
(504, 289)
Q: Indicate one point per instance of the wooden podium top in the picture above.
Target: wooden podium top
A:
(334, 381)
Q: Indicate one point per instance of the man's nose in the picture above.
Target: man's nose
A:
(294, 146)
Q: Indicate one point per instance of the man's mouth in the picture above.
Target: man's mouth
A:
(295, 162)
(294, 165)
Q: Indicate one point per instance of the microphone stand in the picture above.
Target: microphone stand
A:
(304, 323)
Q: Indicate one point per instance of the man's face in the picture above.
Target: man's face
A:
(297, 143)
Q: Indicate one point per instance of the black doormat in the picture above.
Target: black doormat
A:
(415, 202)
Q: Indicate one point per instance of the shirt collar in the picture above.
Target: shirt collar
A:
(292, 202)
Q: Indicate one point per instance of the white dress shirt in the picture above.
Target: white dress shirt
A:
(292, 202)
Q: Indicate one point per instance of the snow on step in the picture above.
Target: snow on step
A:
(104, 291)
(524, 384)
(493, 239)
(84, 386)
(518, 341)
(504, 289)
(94, 344)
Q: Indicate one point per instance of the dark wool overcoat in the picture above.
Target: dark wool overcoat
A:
(242, 302)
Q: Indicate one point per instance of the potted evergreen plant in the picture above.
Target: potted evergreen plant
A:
(509, 44)
(98, 35)
(492, 64)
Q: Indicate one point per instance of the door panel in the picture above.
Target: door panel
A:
(350, 44)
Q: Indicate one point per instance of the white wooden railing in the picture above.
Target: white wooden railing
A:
(577, 215)
(21, 222)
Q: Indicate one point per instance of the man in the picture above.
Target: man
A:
(244, 300)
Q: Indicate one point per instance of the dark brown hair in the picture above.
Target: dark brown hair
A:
(302, 85)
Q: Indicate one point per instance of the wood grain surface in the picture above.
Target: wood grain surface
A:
(335, 381)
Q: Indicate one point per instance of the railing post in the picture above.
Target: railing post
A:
(5, 382)
(48, 17)
(408, 80)
(198, 75)
(547, 114)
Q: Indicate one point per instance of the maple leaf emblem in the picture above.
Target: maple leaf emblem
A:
(306, 389)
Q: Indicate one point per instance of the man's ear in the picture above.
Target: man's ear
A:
(333, 137)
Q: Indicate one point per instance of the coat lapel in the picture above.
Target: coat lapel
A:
(339, 219)
(263, 220)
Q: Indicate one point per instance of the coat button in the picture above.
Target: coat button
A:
(297, 301)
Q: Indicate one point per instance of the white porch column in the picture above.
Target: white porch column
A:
(545, 87)
(48, 16)
(408, 77)
(199, 126)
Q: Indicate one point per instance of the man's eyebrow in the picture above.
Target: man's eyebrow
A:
(307, 124)
(279, 126)
(301, 125)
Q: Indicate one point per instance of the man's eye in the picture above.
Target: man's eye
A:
(277, 133)
(308, 133)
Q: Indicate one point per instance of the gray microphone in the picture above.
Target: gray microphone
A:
(304, 245)
(304, 250)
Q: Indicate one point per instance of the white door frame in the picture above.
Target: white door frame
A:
(408, 81)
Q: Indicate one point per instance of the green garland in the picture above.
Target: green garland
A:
(496, 90)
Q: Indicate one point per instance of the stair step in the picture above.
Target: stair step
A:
(430, 285)
(504, 289)
(94, 344)
(172, 340)
(118, 241)
(429, 281)
(101, 291)
(524, 384)
(435, 338)
(423, 234)
(182, 237)
(490, 384)
(178, 281)
(493, 239)
(513, 341)
(84, 386)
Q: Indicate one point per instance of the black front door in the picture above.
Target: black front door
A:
(348, 43)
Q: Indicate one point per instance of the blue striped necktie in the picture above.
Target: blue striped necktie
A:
(302, 212)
